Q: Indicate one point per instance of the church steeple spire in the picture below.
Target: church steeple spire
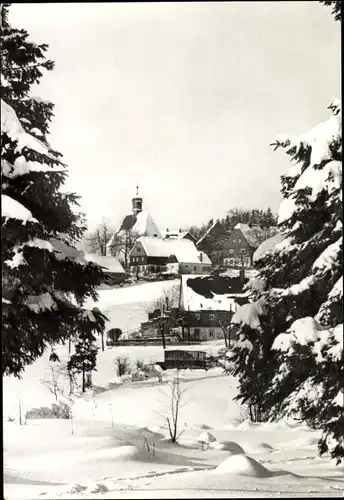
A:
(137, 202)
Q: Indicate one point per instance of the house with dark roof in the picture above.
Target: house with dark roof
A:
(208, 304)
(211, 241)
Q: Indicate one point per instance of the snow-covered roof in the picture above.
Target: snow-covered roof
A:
(174, 233)
(208, 231)
(145, 226)
(142, 224)
(267, 246)
(183, 249)
(192, 301)
(112, 264)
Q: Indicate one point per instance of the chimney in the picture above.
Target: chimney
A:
(180, 230)
(201, 257)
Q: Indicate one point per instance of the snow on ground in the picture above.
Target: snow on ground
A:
(127, 308)
(117, 444)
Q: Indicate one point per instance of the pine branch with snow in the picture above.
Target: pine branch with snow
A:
(300, 281)
(45, 278)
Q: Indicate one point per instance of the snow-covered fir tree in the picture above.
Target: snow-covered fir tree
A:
(46, 280)
(294, 326)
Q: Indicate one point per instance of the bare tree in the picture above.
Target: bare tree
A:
(162, 307)
(98, 239)
(225, 325)
(176, 402)
(53, 383)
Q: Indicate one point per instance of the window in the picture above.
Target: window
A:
(211, 334)
(231, 250)
(195, 268)
(197, 316)
(231, 262)
(242, 250)
(211, 317)
(239, 241)
(234, 241)
(197, 333)
(142, 259)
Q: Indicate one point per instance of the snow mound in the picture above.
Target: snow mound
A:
(242, 465)
(227, 446)
(206, 437)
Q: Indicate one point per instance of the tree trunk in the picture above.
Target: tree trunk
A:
(163, 335)
(83, 377)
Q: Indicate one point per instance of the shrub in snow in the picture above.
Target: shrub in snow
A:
(299, 336)
(57, 410)
(122, 366)
(45, 279)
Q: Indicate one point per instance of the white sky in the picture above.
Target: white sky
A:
(183, 98)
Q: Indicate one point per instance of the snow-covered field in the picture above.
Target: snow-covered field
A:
(117, 444)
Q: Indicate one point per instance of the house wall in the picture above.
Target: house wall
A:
(197, 268)
(236, 250)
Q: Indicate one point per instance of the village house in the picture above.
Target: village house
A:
(177, 234)
(173, 255)
(239, 247)
(112, 267)
(211, 241)
(207, 312)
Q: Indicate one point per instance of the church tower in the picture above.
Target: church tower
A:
(137, 202)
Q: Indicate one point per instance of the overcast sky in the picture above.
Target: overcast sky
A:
(182, 98)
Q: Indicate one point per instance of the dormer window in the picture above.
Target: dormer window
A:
(211, 317)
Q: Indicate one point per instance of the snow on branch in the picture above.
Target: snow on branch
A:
(296, 289)
(42, 302)
(12, 209)
(21, 166)
(248, 314)
(337, 290)
(307, 330)
(318, 139)
(11, 126)
(329, 256)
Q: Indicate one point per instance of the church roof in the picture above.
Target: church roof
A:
(145, 226)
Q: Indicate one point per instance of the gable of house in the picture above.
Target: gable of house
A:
(236, 240)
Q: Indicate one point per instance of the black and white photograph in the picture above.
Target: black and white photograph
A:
(172, 250)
